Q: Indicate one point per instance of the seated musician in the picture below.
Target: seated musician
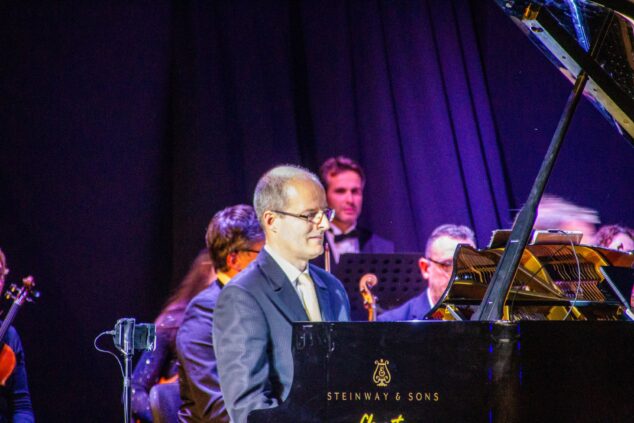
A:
(234, 238)
(554, 212)
(436, 267)
(344, 181)
(253, 318)
(159, 366)
(616, 237)
(15, 399)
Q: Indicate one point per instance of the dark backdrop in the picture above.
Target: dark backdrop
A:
(125, 126)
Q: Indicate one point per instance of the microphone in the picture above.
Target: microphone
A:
(129, 336)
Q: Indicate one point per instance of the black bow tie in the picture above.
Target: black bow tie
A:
(352, 234)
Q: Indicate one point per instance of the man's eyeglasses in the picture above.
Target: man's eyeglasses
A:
(446, 265)
(313, 217)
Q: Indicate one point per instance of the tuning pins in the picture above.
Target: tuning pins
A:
(12, 292)
(24, 293)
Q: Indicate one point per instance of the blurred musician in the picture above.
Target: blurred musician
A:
(436, 267)
(234, 239)
(556, 213)
(15, 399)
(616, 237)
(344, 181)
(159, 366)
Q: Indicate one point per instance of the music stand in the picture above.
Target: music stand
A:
(398, 274)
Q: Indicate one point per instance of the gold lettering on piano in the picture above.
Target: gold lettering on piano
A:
(381, 376)
(369, 418)
(418, 396)
(423, 396)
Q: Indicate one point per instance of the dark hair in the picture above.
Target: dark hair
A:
(196, 280)
(458, 232)
(336, 165)
(606, 234)
(232, 229)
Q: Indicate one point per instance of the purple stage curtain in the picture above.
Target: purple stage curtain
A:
(397, 86)
(125, 126)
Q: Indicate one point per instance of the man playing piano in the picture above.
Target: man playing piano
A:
(252, 323)
(436, 267)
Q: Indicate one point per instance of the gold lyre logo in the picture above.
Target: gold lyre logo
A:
(381, 376)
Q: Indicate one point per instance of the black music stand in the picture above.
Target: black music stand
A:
(398, 274)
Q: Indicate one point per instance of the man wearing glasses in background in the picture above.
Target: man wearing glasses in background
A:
(234, 239)
(252, 322)
(436, 267)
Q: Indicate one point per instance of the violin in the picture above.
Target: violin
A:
(19, 296)
(366, 283)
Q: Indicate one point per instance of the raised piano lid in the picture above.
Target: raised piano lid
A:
(564, 30)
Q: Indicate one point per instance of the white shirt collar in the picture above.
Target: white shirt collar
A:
(350, 245)
(335, 230)
(291, 272)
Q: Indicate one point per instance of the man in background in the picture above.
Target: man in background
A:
(616, 237)
(436, 268)
(344, 181)
(234, 239)
(253, 318)
(554, 212)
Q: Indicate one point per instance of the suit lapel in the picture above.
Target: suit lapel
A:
(323, 297)
(282, 293)
(364, 237)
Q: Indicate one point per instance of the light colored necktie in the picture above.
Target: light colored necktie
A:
(306, 289)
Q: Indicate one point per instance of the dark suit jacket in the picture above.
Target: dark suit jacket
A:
(414, 309)
(369, 242)
(198, 375)
(252, 332)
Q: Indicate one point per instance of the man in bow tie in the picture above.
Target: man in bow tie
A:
(344, 181)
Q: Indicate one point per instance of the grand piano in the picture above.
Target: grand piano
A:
(528, 330)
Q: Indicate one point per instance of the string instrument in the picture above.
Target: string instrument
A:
(171, 379)
(19, 296)
(366, 283)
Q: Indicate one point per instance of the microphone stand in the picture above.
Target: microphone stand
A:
(127, 349)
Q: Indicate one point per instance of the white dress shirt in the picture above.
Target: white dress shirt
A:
(291, 272)
(348, 245)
